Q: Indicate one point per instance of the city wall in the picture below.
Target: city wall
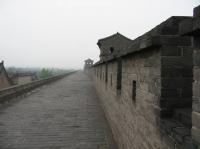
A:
(150, 92)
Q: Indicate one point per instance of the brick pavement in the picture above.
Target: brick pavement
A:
(63, 115)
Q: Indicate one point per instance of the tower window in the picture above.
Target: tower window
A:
(111, 49)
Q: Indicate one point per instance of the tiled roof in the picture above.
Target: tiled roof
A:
(112, 36)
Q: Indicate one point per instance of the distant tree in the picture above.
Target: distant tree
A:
(45, 73)
(41, 73)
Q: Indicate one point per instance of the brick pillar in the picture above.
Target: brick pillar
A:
(196, 76)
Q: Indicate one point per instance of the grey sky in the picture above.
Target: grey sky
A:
(62, 33)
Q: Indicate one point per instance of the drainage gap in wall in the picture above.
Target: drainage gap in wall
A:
(134, 91)
(111, 79)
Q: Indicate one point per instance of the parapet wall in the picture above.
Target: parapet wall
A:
(131, 118)
(192, 29)
(8, 93)
(147, 91)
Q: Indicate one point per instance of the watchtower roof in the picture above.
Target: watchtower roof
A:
(116, 35)
(88, 60)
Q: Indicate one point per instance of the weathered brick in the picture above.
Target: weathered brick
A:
(177, 61)
(187, 72)
(197, 12)
(196, 43)
(186, 26)
(187, 51)
(196, 134)
(193, 28)
(186, 92)
(171, 103)
(172, 41)
(172, 30)
(171, 51)
(196, 90)
(196, 76)
(196, 104)
(196, 58)
(196, 73)
(171, 72)
(170, 93)
(166, 113)
(174, 83)
(196, 119)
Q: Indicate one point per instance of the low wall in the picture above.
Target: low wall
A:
(8, 93)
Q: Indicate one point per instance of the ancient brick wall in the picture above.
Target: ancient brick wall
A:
(134, 111)
(146, 92)
(196, 94)
(191, 28)
(196, 71)
(177, 76)
(133, 119)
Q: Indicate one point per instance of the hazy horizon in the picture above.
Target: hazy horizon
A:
(63, 33)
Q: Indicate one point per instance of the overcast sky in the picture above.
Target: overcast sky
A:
(62, 33)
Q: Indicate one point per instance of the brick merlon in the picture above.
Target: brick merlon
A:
(197, 12)
(191, 27)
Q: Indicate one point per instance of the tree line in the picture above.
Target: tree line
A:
(41, 73)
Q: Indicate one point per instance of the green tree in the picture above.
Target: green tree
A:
(45, 73)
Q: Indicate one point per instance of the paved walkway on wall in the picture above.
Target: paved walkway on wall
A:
(63, 115)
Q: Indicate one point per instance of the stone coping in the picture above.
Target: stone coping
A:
(191, 26)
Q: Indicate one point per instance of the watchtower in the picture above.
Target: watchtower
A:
(88, 63)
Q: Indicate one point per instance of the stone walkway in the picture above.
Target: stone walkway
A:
(63, 115)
